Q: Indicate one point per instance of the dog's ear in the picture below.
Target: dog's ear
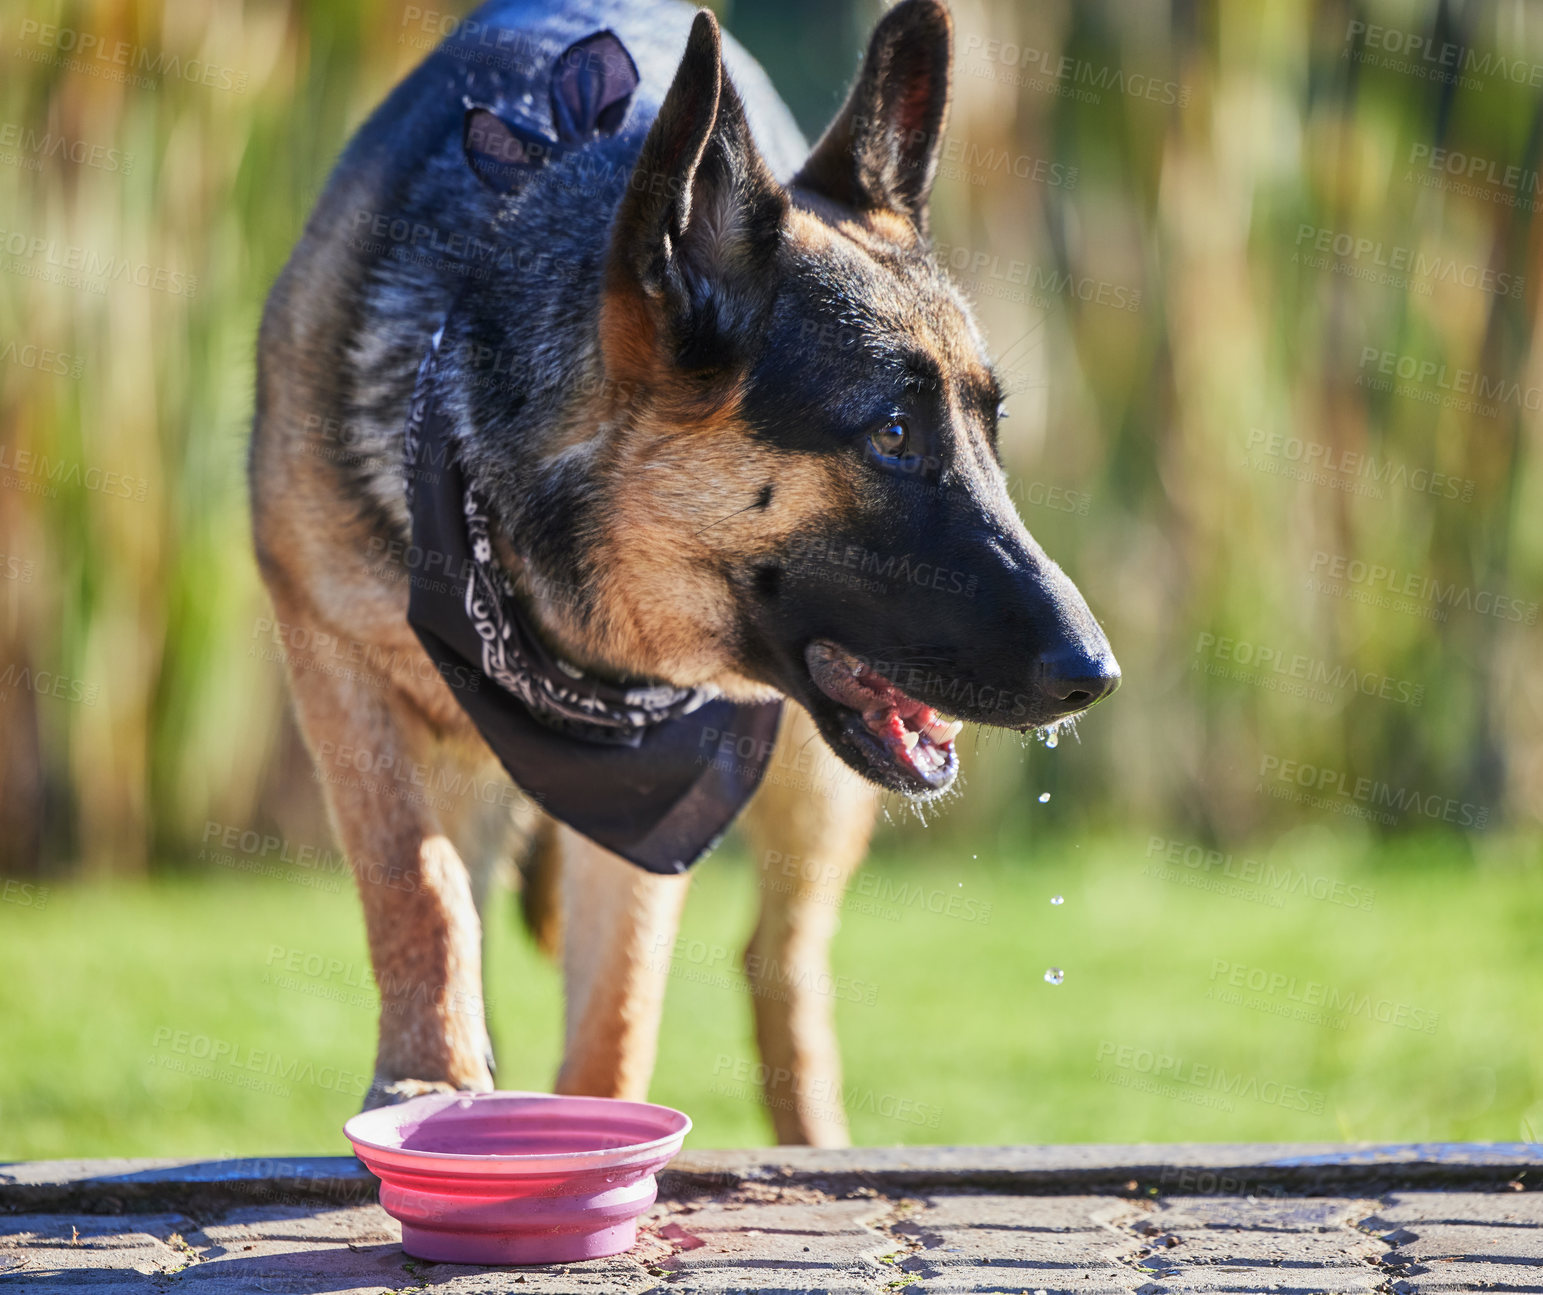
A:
(699, 224)
(881, 151)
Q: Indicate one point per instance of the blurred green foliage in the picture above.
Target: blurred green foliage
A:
(1216, 246)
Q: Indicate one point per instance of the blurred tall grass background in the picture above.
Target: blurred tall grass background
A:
(1135, 194)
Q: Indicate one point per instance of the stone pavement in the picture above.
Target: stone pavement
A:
(919, 1220)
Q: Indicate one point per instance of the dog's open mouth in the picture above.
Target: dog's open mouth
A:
(908, 746)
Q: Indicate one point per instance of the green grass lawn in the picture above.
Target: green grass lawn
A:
(1407, 1008)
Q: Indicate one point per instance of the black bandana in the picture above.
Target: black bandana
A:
(651, 772)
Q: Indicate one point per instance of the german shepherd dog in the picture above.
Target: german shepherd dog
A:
(739, 390)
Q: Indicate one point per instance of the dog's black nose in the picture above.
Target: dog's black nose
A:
(1076, 675)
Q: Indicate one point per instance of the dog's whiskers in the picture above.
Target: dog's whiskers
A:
(735, 513)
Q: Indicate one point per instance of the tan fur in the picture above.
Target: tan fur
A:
(807, 846)
(422, 922)
(666, 549)
(881, 233)
(619, 923)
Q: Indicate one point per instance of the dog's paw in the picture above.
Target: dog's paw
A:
(388, 1092)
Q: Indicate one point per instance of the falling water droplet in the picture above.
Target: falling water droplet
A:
(1054, 976)
(1052, 739)
(1044, 797)
(1058, 900)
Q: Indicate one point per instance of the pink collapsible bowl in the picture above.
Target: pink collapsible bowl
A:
(516, 1178)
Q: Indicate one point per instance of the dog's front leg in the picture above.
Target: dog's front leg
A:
(618, 930)
(424, 933)
(809, 829)
(425, 945)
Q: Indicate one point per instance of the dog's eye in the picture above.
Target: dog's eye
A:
(890, 438)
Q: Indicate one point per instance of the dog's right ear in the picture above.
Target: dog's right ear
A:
(695, 233)
(881, 151)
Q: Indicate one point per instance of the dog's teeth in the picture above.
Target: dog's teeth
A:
(910, 739)
(940, 732)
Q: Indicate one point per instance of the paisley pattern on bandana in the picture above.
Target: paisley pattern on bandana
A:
(562, 695)
(553, 690)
